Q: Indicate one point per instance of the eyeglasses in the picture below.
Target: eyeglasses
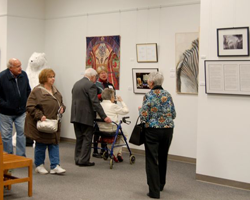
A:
(51, 77)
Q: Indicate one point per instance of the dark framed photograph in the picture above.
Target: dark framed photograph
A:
(233, 42)
(147, 53)
(140, 79)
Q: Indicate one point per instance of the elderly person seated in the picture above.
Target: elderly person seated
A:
(113, 110)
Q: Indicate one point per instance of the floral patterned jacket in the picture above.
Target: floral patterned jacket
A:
(158, 110)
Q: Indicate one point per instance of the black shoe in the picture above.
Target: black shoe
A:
(88, 164)
(97, 155)
(152, 196)
(120, 158)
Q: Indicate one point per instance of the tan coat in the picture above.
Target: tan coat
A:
(40, 103)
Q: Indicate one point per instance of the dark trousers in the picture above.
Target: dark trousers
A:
(157, 143)
(103, 145)
(84, 134)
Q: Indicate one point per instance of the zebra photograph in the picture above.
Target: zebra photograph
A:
(187, 63)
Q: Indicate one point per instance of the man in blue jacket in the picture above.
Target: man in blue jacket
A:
(14, 92)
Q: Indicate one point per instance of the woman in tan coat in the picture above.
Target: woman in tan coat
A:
(45, 102)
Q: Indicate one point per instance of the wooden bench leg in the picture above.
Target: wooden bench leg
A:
(30, 181)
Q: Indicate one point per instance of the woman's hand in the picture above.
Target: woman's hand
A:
(43, 118)
(119, 98)
(61, 110)
(139, 108)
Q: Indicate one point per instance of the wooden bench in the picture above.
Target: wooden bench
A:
(10, 161)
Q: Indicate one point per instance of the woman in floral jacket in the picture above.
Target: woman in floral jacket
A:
(158, 112)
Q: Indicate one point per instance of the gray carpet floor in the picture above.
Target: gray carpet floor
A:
(124, 181)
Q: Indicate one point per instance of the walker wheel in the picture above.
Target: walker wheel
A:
(105, 155)
(111, 163)
(132, 159)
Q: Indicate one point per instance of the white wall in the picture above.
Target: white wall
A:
(3, 32)
(67, 27)
(223, 132)
(25, 29)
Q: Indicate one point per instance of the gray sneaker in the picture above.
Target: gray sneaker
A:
(57, 170)
(41, 170)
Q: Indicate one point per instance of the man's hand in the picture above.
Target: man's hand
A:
(107, 120)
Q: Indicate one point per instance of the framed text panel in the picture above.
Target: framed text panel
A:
(146, 52)
(227, 77)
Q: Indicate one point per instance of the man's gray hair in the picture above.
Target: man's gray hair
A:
(90, 72)
(156, 77)
(107, 94)
(10, 62)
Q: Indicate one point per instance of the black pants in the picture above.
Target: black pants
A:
(157, 143)
(84, 134)
(103, 145)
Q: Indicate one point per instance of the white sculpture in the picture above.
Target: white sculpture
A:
(36, 64)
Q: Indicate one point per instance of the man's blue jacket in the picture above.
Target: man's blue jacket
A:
(12, 101)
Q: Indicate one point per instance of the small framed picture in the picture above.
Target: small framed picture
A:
(233, 42)
(140, 78)
(146, 53)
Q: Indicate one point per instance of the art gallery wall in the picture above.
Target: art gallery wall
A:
(59, 28)
(65, 44)
(3, 32)
(25, 29)
(223, 132)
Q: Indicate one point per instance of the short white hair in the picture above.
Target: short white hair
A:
(90, 72)
(156, 77)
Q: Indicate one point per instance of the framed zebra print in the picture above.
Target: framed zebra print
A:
(187, 62)
(233, 42)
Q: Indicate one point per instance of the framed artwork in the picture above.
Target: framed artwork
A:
(105, 51)
(187, 62)
(233, 42)
(140, 78)
(227, 77)
(146, 53)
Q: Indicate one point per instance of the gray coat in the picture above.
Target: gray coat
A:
(85, 103)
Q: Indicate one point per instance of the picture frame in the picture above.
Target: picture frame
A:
(227, 77)
(147, 53)
(140, 77)
(233, 42)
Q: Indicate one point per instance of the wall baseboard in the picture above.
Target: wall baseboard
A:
(199, 177)
(63, 139)
(170, 157)
(224, 182)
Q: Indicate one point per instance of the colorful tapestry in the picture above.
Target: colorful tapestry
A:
(105, 51)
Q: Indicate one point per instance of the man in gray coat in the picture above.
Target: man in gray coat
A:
(84, 106)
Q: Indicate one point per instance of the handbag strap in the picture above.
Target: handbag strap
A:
(137, 120)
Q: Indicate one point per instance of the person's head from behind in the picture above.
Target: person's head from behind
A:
(47, 76)
(155, 78)
(90, 73)
(14, 65)
(102, 73)
(108, 94)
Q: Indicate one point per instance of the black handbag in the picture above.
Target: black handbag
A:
(138, 135)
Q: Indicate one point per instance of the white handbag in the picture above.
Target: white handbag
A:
(47, 126)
